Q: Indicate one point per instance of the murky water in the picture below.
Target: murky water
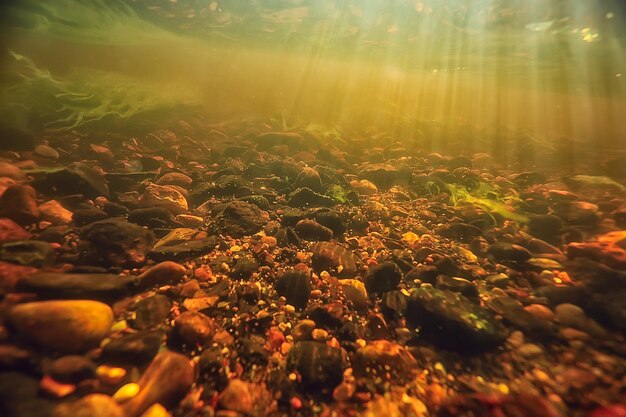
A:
(551, 70)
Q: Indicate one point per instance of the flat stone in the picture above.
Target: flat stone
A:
(331, 256)
(115, 242)
(102, 287)
(184, 251)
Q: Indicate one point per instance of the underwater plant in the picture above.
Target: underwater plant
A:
(86, 97)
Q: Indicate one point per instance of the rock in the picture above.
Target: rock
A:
(10, 231)
(364, 187)
(578, 212)
(85, 216)
(330, 256)
(194, 328)
(201, 303)
(309, 178)
(46, 152)
(303, 329)
(151, 312)
(67, 326)
(246, 398)
(609, 248)
(305, 197)
(10, 171)
(28, 253)
(530, 350)
(72, 369)
(134, 348)
(152, 217)
(166, 381)
(186, 250)
(333, 220)
(164, 196)
(175, 178)
(482, 405)
(76, 178)
(11, 274)
(382, 278)
(356, 292)
(312, 230)
(545, 226)
(53, 212)
(265, 141)
(244, 268)
(18, 202)
(460, 231)
(231, 185)
(502, 252)
(92, 405)
(451, 321)
(319, 366)
(296, 287)
(570, 315)
(239, 219)
(102, 287)
(166, 272)
(189, 220)
(116, 243)
(386, 360)
(540, 311)
(383, 175)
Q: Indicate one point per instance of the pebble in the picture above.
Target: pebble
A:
(66, 326)
(55, 213)
(540, 311)
(163, 273)
(570, 315)
(530, 350)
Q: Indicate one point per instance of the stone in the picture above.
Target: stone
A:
(153, 217)
(11, 274)
(250, 399)
(296, 287)
(244, 268)
(92, 405)
(115, 242)
(451, 321)
(28, 253)
(76, 178)
(164, 196)
(194, 328)
(547, 227)
(85, 216)
(72, 369)
(320, 367)
(10, 231)
(312, 230)
(460, 231)
(102, 287)
(540, 311)
(309, 178)
(201, 303)
(382, 278)
(331, 256)
(503, 252)
(46, 152)
(63, 325)
(364, 187)
(163, 273)
(151, 312)
(133, 348)
(53, 212)
(386, 360)
(166, 381)
(305, 197)
(185, 250)
(18, 203)
(570, 315)
(175, 178)
(265, 141)
(10, 171)
(355, 291)
(240, 218)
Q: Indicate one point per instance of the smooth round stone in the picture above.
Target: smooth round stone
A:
(63, 325)
(195, 327)
(540, 311)
(530, 350)
(55, 213)
(72, 369)
(165, 196)
(10, 171)
(93, 405)
(570, 315)
(167, 272)
(175, 178)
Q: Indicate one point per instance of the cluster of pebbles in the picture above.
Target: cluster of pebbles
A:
(238, 270)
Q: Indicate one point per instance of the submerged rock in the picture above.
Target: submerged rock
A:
(327, 256)
(164, 196)
(319, 366)
(451, 321)
(92, 405)
(296, 288)
(66, 326)
(240, 218)
(116, 243)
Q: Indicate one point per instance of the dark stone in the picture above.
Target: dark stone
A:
(309, 178)
(72, 369)
(451, 321)
(394, 304)
(151, 312)
(383, 175)
(116, 243)
(28, 253)
(545, 227)
(312, 230)
(185, 250)
(332, 220)
(382, 278)
(386, 361)
(252, 352)
(305, 197)
(101, 287)
(115, 209)
(286, 236)
(133, 348)
(212, 370)
(76, 178)
(503, 251)
(194, 328)
(296, 287)
(330, 256)
(239, 219)
(82, 217)
(512, 311)
(153, 217)
(19, 396)
(460, 231)
(18, 202)
(268, 140)
(258, 200)
(231, 185)
(244, 268)
(320, 366)
(460, 285)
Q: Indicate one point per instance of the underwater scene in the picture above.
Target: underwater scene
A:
(313, 208)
